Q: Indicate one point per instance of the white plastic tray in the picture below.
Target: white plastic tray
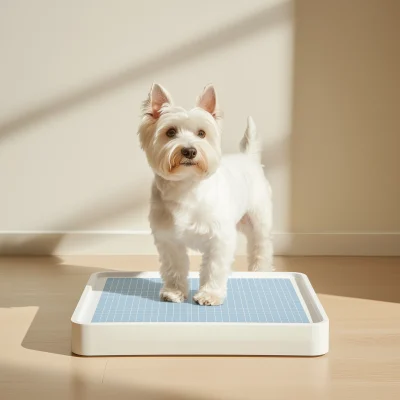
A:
(264, 314)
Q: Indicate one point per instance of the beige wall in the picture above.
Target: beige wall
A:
(321, 81)
(345, 143)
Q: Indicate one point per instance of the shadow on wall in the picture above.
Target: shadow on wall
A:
(235, 31)
(119, 204)
(123, 202)
(345, 129)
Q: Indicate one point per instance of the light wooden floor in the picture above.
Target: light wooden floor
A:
(38, 296)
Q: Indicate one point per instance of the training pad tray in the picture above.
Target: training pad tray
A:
(265, 313)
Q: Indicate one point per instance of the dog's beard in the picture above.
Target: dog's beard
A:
(172, 165)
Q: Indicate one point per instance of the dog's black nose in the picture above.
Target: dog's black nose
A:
(189, 152)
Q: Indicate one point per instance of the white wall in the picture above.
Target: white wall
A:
(320, 79)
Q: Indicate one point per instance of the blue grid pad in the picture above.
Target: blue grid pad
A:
(262, 300)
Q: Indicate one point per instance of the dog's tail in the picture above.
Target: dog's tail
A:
(250, 143)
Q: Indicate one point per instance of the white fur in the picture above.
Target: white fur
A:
(202, 206)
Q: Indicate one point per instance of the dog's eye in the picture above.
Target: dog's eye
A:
(171, 132)
(201, 134)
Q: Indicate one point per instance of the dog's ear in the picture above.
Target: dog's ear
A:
(208, 101)
(158, 97)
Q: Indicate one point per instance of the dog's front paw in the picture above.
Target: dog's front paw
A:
(172, 295)
(208, 298)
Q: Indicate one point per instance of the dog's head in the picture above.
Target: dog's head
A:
(181, 144)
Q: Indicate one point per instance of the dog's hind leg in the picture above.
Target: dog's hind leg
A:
(256, 226)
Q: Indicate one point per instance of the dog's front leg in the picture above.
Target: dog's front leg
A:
(215, 269)
(174, 267)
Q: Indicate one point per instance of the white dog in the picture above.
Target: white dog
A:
(199, 198)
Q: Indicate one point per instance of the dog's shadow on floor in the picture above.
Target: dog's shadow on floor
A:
(49, 285)
(53, 288)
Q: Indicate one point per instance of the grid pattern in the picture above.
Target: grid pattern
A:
(262, 300)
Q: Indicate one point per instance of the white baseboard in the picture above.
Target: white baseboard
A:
(141, 243)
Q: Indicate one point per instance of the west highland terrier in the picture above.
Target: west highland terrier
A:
(199, 198)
